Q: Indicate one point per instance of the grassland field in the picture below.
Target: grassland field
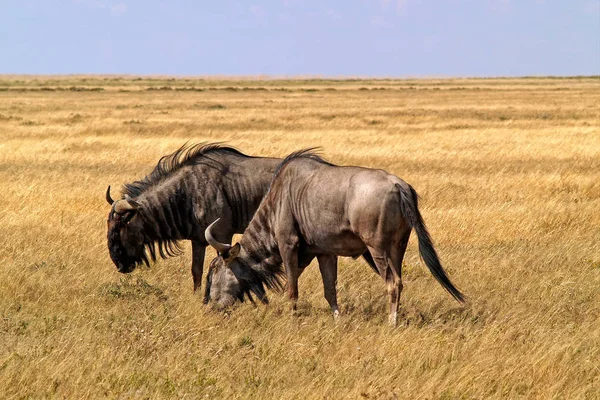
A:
(509, 175)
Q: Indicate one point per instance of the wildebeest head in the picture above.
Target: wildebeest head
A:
(125, 236)
(230, 277)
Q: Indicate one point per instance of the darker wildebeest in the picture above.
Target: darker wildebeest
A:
(316, 209)
(184, 193)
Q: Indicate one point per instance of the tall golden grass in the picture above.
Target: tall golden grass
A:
(509, 174)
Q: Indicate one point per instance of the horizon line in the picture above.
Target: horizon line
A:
(283, 77)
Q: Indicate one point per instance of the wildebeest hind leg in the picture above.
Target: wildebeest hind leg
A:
(394, 282)
(328, 268)
(388, 272)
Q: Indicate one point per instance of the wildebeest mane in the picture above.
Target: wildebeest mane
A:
(188, 154)
(164, 247)
(253, 281)
(310, 153)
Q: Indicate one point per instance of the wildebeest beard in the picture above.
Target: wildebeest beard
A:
(251, 281)
(125, 263)
(149, 250)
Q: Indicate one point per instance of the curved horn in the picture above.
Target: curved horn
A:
(133, 203)
(108, 198)
(220, 247)
(127, 204)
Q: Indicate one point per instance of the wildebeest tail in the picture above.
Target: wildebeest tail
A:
(409, 205)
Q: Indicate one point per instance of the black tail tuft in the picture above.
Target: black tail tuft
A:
(409, 205)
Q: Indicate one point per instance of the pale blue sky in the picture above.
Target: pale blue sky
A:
(386, 38)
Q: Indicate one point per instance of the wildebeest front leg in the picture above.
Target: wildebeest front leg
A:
(289, 255)
(198, 251)
(328, 267)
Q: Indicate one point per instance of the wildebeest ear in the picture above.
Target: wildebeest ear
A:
(232, 253)
(235, 251)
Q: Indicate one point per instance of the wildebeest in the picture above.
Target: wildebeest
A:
(184, 193)
(316, 209)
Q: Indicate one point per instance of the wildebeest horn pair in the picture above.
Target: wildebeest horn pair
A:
(122, 206)
(220, 247)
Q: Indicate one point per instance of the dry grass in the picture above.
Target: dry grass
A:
(508, 170)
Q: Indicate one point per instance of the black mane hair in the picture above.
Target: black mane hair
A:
(310, 153)
(188, 154)
(251, 281)
(254, 281)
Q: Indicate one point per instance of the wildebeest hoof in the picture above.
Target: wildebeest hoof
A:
(393, 320)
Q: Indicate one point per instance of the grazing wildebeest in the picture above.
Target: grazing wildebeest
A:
(184, 193)
(316, 209)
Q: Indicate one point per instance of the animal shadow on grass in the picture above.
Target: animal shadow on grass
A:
(374, 309)
(441, 315)
(129, 288)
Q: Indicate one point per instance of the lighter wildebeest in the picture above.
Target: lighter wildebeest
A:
(316, 209)
(184, 193)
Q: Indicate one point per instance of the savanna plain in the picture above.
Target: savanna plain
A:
(509, 176)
